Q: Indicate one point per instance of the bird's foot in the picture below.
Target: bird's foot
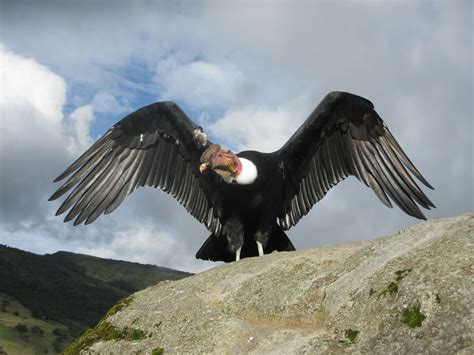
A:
(260, 248)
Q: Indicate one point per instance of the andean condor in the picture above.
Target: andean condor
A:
(246, 200)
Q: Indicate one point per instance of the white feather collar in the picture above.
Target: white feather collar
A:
(247, 175)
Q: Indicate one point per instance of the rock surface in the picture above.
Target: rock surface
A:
(407, 293)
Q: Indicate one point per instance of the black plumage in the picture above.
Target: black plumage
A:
(159, 146)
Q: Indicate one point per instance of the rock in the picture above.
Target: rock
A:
(407, 293)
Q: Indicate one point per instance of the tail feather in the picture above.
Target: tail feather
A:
(215, 248)
(278, 241)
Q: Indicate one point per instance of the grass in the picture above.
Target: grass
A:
(13, 342)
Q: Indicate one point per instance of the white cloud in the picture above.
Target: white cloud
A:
(139, 242)
(25, 82)
(199, 83)
(143, 243)
(31, 113)
(80, 122)
(105, 102)
(36, 139)
(261, 128)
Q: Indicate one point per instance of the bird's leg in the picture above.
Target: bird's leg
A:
(261, 238)
(234, 232)
(237, 254)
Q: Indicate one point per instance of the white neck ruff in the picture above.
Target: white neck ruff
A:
(247, 175)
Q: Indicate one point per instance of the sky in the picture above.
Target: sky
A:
(248, 72)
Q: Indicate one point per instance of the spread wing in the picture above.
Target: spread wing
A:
(157, 145)
(345, 136)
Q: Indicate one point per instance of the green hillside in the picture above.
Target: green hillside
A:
(124, 275)
(70, 291)
(21, 333)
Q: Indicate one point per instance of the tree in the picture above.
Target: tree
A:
(36, 330)
(60, 334)
(21, 328)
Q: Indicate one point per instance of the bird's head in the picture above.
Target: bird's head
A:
(221, 161)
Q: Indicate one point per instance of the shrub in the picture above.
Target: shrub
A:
(21, 328)
(36, 330)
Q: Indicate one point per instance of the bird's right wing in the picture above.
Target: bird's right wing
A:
(158, 146)
(344, 136)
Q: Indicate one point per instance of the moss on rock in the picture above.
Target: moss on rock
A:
(401, 274)
(104, 331)
(119, 306)
(351, 334)
(413, 317)
(137, 334)
(390, 290)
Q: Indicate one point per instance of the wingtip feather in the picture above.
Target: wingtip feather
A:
(59, 178)
(428, 185)
(421, 216)
(77, 222)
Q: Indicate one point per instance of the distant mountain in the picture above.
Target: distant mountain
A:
(73, 289)
(124, 275)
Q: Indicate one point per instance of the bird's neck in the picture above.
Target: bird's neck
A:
(246, 172)
(239, 167)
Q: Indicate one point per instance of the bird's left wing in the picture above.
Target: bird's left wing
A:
(158, 146)
(345, 136)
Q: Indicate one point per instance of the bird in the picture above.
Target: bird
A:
(246, 200)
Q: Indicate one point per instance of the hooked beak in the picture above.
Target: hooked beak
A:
(203, 167)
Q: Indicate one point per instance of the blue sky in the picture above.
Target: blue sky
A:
(249, 73)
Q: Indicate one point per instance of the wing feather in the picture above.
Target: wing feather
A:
(345, 136)
(403, 175)
(96, 147)
(97, 206)
(83, 207)
(371, 176)
(406, 161)
(154, 146)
